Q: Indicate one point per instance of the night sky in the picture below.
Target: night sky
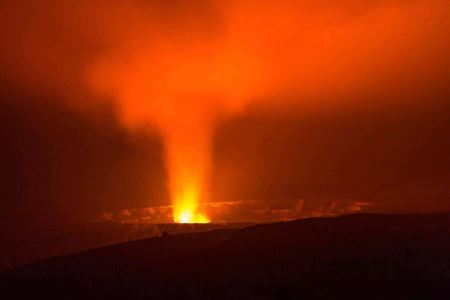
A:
(366, 118)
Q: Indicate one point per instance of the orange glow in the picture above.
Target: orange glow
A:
(186, 208)
(191, 88)
(238, 212)
(180, 76)
(188, 161)
(180, 69)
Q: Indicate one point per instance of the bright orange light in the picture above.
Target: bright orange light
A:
(188, 161)
(188, 217)
(186, 208)
(183, 74)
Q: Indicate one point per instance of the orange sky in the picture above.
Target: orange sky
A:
(182, 69)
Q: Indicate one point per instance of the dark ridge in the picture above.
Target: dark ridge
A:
(360, 256)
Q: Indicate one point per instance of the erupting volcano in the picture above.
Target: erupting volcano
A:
(182, 92)
(225, 149)
(179, 77)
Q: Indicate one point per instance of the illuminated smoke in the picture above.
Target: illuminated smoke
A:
(181, 68)
(181, 91)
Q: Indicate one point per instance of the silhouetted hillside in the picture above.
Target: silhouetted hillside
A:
(23, 247)
(362, 256)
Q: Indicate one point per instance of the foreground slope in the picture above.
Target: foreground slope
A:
(366, 256)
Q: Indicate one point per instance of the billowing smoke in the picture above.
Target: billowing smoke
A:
(180, 67)
(179, 83)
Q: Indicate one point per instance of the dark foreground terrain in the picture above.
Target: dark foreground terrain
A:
(362, 256)
(24, 246)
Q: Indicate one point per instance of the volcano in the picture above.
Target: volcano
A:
(359, 256)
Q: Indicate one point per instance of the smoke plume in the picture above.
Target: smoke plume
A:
(180, 67)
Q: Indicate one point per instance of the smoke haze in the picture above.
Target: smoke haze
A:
(241, 99)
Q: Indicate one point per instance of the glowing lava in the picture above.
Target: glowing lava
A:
(186, 208)
(188, 159)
